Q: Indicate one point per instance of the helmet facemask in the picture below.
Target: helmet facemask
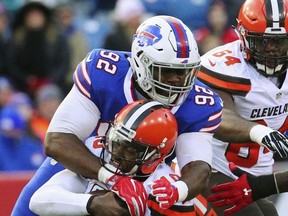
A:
(155, 86)
(126, 154)
(267, 52)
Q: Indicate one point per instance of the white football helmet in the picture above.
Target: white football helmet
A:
(164, 45)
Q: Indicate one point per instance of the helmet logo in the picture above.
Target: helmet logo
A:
(148, 36)
(185, 61)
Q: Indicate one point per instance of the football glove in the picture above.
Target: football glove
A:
(271, 139)
(133, 193)
(242, 192)
(276, 141)
(168, 194)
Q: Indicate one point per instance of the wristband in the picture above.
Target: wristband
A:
(262, 186)
(104, 174)
(258, 132)
(89, 203)
(182, 190)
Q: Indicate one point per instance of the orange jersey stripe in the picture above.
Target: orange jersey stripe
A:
(223, 84)
(231, 84)
(174, 210)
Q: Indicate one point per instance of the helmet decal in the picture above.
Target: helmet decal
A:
(148, 36)
(136, 116)
(181, 38)
(275, 13)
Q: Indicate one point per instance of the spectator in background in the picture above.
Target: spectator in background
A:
(19, 149)
(218, 32)
(233, 8)
(76, 40)
(128, 15)
(6, 91)
(37, 53)
(47, 99)
(4, 36)
(192, 12)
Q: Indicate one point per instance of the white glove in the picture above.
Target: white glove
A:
(271, 139)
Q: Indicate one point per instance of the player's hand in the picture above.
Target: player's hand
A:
(107, 204)
(166, 193)
(133, 193)
(277, 142)
(238, 193)
(271, 139)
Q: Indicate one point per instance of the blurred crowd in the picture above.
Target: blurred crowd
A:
(41, 43)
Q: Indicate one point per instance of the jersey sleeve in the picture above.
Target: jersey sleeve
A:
(221, 69)
(201, 112)
(61, 195)
(82, 73)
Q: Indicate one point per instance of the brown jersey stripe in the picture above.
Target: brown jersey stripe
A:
(233, 85)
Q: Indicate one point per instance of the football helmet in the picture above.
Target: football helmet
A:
(164, 47)
(142, 135)
(263, 28)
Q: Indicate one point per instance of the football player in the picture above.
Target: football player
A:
(257, 187)
(142, 136)
(163, 65)
(250, 76)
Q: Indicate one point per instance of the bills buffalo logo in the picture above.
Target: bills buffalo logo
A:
(148, 36)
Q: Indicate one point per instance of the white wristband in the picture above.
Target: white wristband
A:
(104, 174)
(182, 190)
(258, 132)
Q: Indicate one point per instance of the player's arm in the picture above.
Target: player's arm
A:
(282, 181)
(74, 120)
(63, 195)
(194, 164)
(233, 127)
(236, 129)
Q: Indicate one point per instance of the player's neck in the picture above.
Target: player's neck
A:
(139, 93)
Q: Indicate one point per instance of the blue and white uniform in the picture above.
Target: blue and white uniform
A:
(104, 84)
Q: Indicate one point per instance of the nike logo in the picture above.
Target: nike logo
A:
(211, 63)
(89, 59)
(53, 162)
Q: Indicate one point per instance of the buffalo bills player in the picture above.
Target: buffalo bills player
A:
(162, 66)
(141, 137)
(250, 75)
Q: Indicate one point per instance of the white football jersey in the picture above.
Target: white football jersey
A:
(256, 98)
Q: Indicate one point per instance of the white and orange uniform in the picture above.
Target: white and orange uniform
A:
(67, 193)
(256, 98)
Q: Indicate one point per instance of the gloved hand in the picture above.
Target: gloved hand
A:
(167, 194)
(133, 193)
(276, 141)
(271, 139)
(242, 192)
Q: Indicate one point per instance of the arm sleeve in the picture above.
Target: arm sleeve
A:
(190, 147)
(76, 114)
(63, 194)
